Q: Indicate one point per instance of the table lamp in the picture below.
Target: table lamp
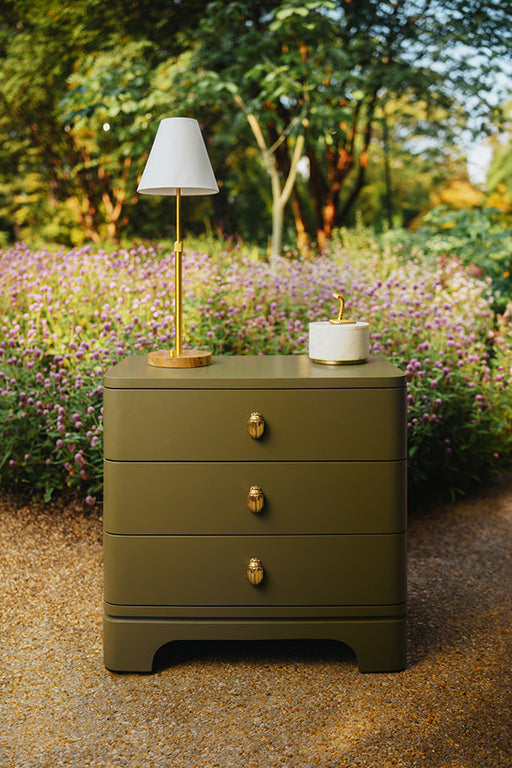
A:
(178, 164)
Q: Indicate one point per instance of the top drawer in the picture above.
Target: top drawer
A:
(211, 424)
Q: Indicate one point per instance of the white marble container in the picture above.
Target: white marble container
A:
(339, 343)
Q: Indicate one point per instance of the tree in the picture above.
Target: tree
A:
(101, 113)
(280, 193)
(66, 70)
(499, 176)
(333, 67)
(274, 81)
(269, 78)
(407, 166)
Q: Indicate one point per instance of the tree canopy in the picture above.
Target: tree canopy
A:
(304, 105)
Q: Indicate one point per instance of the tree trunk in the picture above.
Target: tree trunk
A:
(326, 188)
(387, 172)
(83, 212)
(277, 228)
(303, 239)
(283, 161)
(277, 212)
(361, 175)
(318, 189)
(114, 197)
(280, 195)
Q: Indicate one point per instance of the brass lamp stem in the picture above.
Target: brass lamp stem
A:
(178, 250)
(177, 358)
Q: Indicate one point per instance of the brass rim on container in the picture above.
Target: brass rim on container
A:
(339, 362)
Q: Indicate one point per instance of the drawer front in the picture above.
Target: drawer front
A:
(300, 425)
(298, 570)
(212, 497)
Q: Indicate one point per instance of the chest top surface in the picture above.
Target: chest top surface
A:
(255, 372)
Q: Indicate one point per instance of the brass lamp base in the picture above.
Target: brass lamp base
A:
(190, 358)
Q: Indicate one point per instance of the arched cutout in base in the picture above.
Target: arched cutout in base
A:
(178, 652)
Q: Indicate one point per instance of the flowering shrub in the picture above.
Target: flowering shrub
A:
(69, 316)
(480, 237)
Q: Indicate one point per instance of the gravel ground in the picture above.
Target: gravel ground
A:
(297, 705)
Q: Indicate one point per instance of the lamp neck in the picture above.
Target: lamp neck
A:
(178, 215)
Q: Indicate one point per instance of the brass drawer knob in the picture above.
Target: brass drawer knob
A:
(255, 499)
(255, 572)
(255, 425)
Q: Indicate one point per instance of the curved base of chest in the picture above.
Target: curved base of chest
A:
(130, 644)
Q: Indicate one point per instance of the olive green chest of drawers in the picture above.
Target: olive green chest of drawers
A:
(257, 498)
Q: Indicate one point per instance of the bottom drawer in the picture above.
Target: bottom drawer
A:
(298, 570)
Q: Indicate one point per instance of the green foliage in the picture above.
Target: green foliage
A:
(68, 316)
(66, 71)
(328, 70)
(480, 237)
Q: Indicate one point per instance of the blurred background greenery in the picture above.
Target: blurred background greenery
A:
(384, 99)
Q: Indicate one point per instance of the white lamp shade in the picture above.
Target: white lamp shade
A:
(178, 159)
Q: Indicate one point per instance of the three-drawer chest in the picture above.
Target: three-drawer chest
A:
(261, 497)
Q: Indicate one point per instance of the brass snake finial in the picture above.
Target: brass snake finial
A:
(339, 320)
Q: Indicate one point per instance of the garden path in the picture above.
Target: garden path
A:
(296, 704)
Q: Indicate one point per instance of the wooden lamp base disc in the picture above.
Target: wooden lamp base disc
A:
(189, 358)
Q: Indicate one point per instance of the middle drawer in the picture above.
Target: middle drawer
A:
(213, 497)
